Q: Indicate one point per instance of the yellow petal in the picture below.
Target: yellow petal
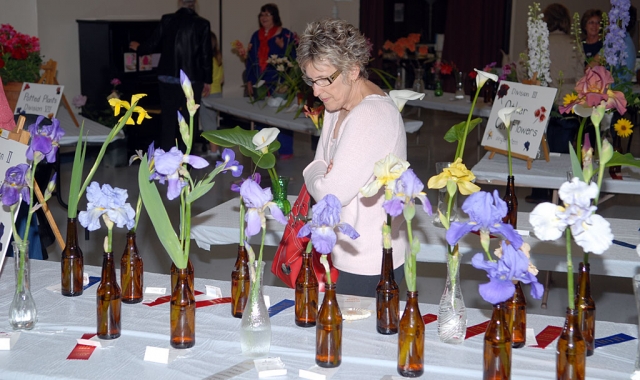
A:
(438, 181)
(136, 97)
(467, 187)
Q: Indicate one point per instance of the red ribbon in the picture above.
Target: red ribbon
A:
(82, 351)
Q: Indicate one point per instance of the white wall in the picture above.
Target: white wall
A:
(54, 22)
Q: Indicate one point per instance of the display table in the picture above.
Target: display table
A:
(96, 133)
(42, 353)
(448, 102)
(221, 225)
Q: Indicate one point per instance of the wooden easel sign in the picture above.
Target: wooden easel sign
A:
(527, 127)
(40, 99)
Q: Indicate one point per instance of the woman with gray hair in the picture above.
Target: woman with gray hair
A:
(362, 125)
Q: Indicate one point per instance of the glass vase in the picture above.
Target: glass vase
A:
(511, 200)
(399, 85)
(183, 312)
(255, 337)
(72, 262)
(108, 301)
(438, 89)
(411, 339)
(387, 297)
(23, 314)
(418, 82)
(190, 275)
(306, 294)
(240, 283)
(131, 272)
(452, 314)
(329, 330)
(571, 350)
(459, 84)
(443, 200)
(636, 292)
(497, 346)
(280, 194)
(516, 316)
(586, 307)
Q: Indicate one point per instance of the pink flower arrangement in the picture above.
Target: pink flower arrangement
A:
(594, 88)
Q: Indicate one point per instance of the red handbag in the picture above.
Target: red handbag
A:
(288, 259)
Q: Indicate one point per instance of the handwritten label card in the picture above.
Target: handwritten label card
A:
(40, 99)
(528, 126)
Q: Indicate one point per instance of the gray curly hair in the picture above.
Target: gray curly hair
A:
(335, 42)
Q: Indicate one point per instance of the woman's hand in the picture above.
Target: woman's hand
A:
(329, 168)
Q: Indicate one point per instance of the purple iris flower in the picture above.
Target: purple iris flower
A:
(110, 201)
(230, 163)
(256, 177)
(408, 187)
(44, 139)
(513, 265)
(168, 166)
(485, 215)
(257, 200)
(14, 185)
(326, 217)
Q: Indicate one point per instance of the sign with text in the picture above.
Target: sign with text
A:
(528, 125)
(39, 99)
(12, 153)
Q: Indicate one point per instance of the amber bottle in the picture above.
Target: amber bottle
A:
(387, 297)
(586, 307)
(411, 339)
(240, 283)
(108, 300)
(512, 203)
(72, 262)
(131, 271)
(183, 312)
(190, 275)
(516, 317)
(306, 295)
(497, 346)
(571, 350)
(329, 330)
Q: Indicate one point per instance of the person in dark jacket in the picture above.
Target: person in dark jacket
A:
(184, 41)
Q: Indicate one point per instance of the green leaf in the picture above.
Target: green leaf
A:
(243, 139)
(456, 133)
(576, 165)
(159, 217)
(623, 160)
(199, 191)
(76, 174)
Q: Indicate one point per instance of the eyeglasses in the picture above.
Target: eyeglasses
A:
(322, 82)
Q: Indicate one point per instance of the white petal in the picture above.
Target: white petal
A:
(265, 137)
(400, 97)
(596, 236)
(545, 224)
(483, 77)
(584, 111)
(505, 115)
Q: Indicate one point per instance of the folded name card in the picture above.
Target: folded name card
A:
(213, 291)
(270, 367)
(8, 340)
(160, 355)
(317, 373)
(155, 290)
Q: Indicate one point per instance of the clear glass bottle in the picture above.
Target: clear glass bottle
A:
(306, 294)
(72, 262)
(255, 334)
(387, 297)
(411, 339)
(108, 300)
(452, 313)
(23, 314)
(329, 330)
(497, 346)
(240, 283)
(183, 312)
(131, 272)
(418, 82)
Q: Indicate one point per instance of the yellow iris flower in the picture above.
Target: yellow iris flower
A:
(457, 173)
(623, 128)
(117, 104)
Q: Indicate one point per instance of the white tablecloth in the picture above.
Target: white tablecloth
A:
(448, 102)
(96, 133)
(42, 352)
(221, 225)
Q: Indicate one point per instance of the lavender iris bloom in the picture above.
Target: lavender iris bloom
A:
(485, 215)
(44, 139)
(110, 201)
(326, 217)
(168, 166)
(14, 185)
(230, 163)
(408, 187)
(513, 265)
(257, 200)
(256, 177)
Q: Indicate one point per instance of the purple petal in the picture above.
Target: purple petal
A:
(304, 231)
(426, 205)
(496, 291)
(167, 163)
(323, 239)
(478, 262)
(254, 221)
(175, 187)
(508, 232)
(277, 213)
(236, 170)
(26, 195)
(10, 194)
(196, 162)
(457, 230)
(235, 188)
(348, 230)
(253, 195)
(393, 206)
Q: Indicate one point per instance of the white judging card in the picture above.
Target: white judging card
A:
(270, 367)
(8, 340)
(528, 125)
(160, 355)
(40, 99)
(317, 373)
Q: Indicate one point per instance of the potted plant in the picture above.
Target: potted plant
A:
(20, 61)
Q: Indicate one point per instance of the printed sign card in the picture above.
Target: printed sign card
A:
(12, 153)
(40, 99)
(528, 126)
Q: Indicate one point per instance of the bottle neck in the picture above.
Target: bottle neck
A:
(585, 280)
(387, 264)
(108, 269)
(72, 231)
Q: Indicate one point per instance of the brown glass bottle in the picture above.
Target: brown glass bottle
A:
(411, 339)
(497, 346)
(387, 297)
(329, 330)
(131, 271)
(240, 284)
(516, 317)
(72, 262)
(306, 295)
(108, 300)
(586, 307)
(183, 312)
(512, 203)
(174, 275)
(571, 350)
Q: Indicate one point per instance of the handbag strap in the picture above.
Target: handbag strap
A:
(300, 206)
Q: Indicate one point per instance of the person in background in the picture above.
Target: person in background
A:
(184, 41)
(208, 116)
(362, 125)
(591, 44)
(270, 39)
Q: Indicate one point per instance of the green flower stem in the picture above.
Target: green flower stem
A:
(110, 239)
(579, 140)
(509, 151)
(601, 165)
(16, 237)
(255, 289)
(325, 263)
(570, 291)
(190, 134)
(243, 212)
(274, 180)
(411, 265)
(138, 209)
(460, 149)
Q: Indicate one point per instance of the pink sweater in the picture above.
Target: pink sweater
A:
(370, 131)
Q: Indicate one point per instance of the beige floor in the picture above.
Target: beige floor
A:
(614, 296)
